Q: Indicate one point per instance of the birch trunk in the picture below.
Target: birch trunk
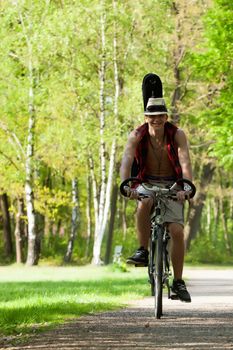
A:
(114, 145)
(88, 215)
(105, 197)
(102, 121)
(108, 189)
(95, 196)
(98, 239)
(19, 231)
(32, 254)
(74, 221)
(32, 257)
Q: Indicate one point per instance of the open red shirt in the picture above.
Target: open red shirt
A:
(172, 148)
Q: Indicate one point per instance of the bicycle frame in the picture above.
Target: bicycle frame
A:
(159, 261)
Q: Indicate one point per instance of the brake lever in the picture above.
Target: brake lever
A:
(176, 199)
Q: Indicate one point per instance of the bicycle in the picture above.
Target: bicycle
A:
(159, 261)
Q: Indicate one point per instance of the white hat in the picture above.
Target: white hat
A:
(155, 106)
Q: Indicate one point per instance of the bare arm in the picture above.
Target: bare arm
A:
(128, 156)
(183, 153)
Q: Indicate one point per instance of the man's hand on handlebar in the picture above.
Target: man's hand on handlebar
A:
(172, 192)
(131, 193)
(181, 196)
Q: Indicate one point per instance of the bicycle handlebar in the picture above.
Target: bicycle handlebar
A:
(187, 185)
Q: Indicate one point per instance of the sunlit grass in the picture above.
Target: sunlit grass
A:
(41, 297)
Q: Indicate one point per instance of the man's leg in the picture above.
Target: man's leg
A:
(143, 221)
(177, 249)
(140, 257)
(177, 256)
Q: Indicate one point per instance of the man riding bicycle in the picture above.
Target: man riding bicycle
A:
(162, 155)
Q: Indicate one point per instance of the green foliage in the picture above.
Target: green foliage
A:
(203, 250)
(214, 243)
(214, 66)
(65, 41)
(52, 203)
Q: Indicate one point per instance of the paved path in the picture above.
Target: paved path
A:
(206, 323)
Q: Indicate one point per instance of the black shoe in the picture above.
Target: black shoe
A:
(140, 258)
(179, 288)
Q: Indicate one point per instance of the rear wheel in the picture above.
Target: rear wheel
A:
(158, 275)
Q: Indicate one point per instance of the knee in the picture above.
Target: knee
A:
(145, 204)
(176, 232)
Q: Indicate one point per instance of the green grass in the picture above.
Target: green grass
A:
(36, 298)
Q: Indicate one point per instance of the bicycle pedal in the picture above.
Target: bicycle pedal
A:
(174, 297)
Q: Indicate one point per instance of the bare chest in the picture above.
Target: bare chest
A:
(157, 160)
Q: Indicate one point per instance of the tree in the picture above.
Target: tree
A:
(70, 93)
(7, 238)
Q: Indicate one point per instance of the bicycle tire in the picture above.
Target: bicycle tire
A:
(151, 267)
(166, 268)
(159, 273)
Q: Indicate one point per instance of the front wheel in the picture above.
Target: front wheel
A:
(158, 275)
(151, 266)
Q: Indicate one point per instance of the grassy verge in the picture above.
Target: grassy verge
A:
(33, 299)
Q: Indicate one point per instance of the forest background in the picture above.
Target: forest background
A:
(70, 93)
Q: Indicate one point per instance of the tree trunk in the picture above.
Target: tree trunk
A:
(96, 260)
(102, 127)
(108, 190)
(175, 117)
(8, 246)
(40, 229)
(88, 214)
(114, 144)
(193, 224)
(48, 228)
(124, 218)
(224, 226)
(105, 197)
(74, 222)
(178, 54)
(19, 231)
(32, 255)
(215, 202)
(95, 196)
(111, 223)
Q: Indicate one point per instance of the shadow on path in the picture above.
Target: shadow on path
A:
(206, 323)
(136, 328)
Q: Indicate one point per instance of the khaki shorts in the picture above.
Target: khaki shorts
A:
(171, 211)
